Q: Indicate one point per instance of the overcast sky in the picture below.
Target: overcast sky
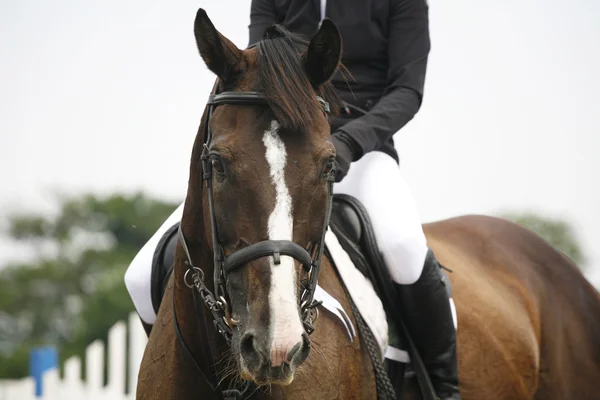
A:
(106, 96)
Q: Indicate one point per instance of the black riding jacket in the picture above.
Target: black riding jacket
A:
(385, 47)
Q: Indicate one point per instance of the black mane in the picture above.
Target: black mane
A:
(283, 80)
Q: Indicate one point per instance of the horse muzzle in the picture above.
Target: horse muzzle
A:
(272, 362)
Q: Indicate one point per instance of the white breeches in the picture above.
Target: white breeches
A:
(375, 180)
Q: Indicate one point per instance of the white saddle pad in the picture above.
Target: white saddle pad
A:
(366, 300)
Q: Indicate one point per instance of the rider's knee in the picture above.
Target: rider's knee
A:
(404, 257)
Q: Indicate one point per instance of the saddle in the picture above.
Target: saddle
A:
(162, 265)
(351, 224)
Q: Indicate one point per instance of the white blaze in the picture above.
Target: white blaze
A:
(285, 327)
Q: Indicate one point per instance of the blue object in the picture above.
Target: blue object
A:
(41, 359)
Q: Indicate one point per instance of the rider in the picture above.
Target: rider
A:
(385, 48)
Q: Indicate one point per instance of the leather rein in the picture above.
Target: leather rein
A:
(216, 301)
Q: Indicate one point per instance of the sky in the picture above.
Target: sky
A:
(107, 96)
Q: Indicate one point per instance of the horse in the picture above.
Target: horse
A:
(250, 253)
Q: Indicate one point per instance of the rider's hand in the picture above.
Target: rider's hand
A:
(343, 158)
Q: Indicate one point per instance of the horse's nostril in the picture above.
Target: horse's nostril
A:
(251, 349)
(247, 344)
(294, 355)
(293, 352)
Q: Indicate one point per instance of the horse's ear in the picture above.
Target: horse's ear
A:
(219, 53)
(324, 53)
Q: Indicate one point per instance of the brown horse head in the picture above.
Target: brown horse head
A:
(271, 167)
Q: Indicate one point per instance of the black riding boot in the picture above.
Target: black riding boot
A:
(426, 311)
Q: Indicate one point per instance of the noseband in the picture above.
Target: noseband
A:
(194, 276)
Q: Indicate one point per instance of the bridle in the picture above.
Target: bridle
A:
(216, 301)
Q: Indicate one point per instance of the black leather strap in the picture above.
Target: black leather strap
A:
(265, 248)
(206, 375)
(250, 98)
(237, 98)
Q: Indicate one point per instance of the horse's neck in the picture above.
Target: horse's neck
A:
(188, 311)
(188, 379)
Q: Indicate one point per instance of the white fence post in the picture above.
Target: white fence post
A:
(94, 365)
(117, 346)
(73, 378)
(137, 344)
(17, 389)
(72, 386)
(52, 387)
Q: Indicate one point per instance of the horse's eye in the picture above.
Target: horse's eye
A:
(329, 168)
(218, 166)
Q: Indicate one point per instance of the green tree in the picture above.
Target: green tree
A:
(74, 295)
(558, 232)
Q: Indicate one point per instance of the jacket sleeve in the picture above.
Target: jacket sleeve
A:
(408, 49)
(262, 16)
